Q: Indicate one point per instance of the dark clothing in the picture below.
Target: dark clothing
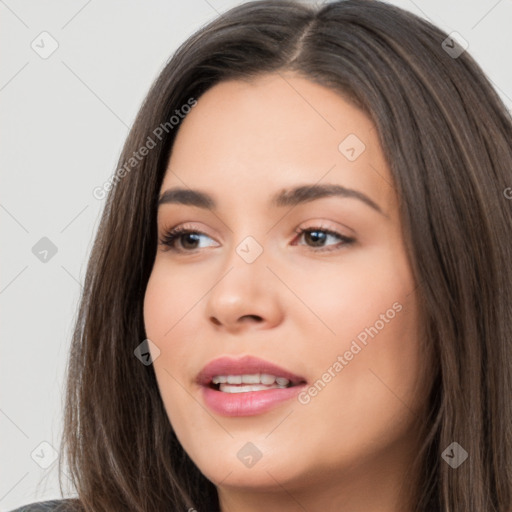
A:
(47, 506)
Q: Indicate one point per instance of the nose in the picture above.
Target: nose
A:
(246, 296)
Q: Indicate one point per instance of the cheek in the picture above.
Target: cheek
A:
(370, 358)
(169, 296)
(154, 305)
(171, 305)
(364, 394)
(165, 322)
(350, 296)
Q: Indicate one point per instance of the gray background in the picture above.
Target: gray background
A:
(64, 120)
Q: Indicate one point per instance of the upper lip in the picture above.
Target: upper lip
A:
(243, 366)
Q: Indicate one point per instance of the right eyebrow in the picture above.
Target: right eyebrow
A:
(286, 197)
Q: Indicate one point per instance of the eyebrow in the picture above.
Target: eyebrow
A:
(286, 197)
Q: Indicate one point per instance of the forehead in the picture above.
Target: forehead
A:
(274, 132)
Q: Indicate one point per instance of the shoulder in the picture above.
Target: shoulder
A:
(65, 505)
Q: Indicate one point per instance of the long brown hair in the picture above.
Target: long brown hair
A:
(447, 139)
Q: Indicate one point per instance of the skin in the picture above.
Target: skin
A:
(351, 446)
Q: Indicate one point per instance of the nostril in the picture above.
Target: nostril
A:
(255, 317)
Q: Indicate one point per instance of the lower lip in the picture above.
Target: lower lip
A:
(248, 403)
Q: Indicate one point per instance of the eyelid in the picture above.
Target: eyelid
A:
(184, 226)
(320, 226)
(326, 225)
(175, 232)
(315, 224)
(171, 235)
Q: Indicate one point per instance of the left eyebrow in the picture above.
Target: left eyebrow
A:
(306, 193)
(285, 197)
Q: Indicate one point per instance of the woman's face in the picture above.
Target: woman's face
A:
(334, 307)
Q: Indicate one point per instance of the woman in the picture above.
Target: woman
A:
(341, 340)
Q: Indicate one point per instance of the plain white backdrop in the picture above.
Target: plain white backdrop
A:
(73, 76)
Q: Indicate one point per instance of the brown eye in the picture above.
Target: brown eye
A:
(188, 238)
(316, 237)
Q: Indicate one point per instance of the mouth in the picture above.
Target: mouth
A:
(249, 382)
(246, 386)
(246, 374)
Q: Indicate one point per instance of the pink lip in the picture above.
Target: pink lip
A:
(251, 402)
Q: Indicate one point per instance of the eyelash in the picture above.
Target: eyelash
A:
(170, 236)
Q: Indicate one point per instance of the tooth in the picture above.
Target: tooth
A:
(234, 379)
(259, 387)
(281, 381)
(267, 379)
(219, 379)
(253, 378)
(226, 388)
(231, 389)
